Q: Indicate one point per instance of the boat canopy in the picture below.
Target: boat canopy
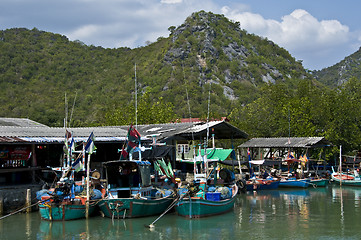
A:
(217, 153)
(128, 173)
(213, 155)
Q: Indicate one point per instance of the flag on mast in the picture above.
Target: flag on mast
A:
(89, 145)
(133, 141)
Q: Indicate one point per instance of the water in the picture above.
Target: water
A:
(323, 213)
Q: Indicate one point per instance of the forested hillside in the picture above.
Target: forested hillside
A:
(38, 68)
(341, 72)
(255, 83)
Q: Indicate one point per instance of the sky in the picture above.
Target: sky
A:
(320, 33)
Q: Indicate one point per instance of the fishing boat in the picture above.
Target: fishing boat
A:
(130, 193)
(70, 199)
(346, 178)
(260, 180)
(261, 184)
(319, 182)
(208, 201)
(294, 183)
(212, 192)
(59, 205)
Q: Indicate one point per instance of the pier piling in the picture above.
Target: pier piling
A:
(28, 200)
(1, 205)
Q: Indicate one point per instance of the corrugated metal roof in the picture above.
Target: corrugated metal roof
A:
(20, 122)
(284, 142)
(162, 132)
(51, 135)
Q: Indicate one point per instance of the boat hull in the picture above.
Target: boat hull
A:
(347, 182)
(196, 207)
(133, 208)
(319, 182)
(295, 183)
(261, 185)
(64, 211)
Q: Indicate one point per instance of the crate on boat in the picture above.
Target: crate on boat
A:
(213, 196)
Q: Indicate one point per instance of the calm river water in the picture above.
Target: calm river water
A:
(323, 213)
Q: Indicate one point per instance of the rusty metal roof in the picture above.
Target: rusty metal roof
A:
(19, 122)
(162, 132)
(285, 142)
(50, 135)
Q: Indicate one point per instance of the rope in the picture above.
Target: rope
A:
(17, 211)
(176, 200)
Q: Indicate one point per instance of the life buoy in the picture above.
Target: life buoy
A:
(242, 185)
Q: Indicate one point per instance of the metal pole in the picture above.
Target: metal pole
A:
(340, 166)
(87, 187)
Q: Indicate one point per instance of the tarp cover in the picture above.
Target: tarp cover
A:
(213, 155)
(217, 154)
(155, 152)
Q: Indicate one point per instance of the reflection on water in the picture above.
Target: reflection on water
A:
(326, 213)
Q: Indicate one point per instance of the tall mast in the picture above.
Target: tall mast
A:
(135, 85)
(66, 112)
(209, 100)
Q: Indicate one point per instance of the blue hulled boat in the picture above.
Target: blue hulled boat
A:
(261, 184)
(294, 183)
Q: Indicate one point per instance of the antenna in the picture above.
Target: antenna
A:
(190, 116)
(189, 106)
(72, 109)
(135, 86)
(66, 112)
(289, 127)
(209, 100)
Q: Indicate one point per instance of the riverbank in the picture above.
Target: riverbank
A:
(14, 197)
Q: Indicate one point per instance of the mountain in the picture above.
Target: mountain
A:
(42, 74)
(341, 72)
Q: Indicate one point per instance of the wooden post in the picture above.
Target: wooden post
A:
(28, 200)
(1, 205)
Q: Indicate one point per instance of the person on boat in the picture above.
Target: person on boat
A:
(299, 172)
(265, 175)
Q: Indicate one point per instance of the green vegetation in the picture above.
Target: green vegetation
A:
(255, 83)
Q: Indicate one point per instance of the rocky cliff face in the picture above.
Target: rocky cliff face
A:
(223, 53)
(341, 72)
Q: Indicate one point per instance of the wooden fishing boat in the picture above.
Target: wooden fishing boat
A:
(348, 182)
(130, 193)
(65, 210)
(346, 179)
(67, 201)
(205, 204)
(71, 199)
(208, 196)
(261, 184)
(319, 182)
(294, 183)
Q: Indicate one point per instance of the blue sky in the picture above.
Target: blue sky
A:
(319, 32)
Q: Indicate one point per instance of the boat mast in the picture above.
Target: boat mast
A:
(135, 87)
(340, 166)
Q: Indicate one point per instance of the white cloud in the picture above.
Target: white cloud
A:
(171, 1)
(295, 30)
(84, 32)
(299, 32)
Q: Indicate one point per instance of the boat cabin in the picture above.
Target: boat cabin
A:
(128, 178)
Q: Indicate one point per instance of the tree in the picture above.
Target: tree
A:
(148, 112)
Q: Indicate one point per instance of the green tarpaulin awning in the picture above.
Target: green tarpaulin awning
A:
(213, 155)
(217, 154)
